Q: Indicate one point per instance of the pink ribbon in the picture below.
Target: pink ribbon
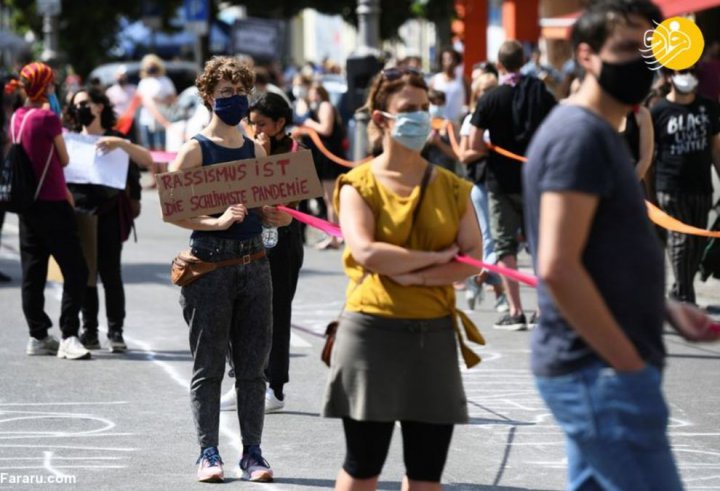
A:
(327, 227)
(513, 274)
(163, 157)
(334, 230)
(715, 327)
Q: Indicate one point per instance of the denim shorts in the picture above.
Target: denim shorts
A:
(615, 426)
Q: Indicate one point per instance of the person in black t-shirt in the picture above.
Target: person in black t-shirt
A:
(90, 113)
(687, 136)
(511, 112)
(598, 351)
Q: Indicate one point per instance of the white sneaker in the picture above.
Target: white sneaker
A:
(474, 293)
(72, 349)
(272, 403)
(228, 402)
(47, 346)
(501, 304)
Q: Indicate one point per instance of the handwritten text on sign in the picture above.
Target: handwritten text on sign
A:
(273, 180)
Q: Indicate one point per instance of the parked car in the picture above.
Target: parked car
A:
(182, 73)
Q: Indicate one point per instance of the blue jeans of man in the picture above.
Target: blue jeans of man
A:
(479, 199)
(615, 427)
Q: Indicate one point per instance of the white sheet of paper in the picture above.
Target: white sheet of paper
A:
(88, 166)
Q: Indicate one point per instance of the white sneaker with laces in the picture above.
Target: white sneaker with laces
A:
(72, 349)
(272, 403)
(47, 346)
(228, 401)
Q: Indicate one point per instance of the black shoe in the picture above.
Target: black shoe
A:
(116, 343)
(4, 278)
(90, 340)
(511, 323)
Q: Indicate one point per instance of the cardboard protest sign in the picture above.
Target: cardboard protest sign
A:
(206, 190)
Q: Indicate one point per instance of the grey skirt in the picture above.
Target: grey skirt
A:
(386, 369)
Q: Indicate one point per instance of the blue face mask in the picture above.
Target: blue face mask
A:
(54, 104)
(411, 129)
(231, 110)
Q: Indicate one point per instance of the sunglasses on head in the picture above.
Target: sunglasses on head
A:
(391, 74)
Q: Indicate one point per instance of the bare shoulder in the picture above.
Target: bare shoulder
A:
(189, 156)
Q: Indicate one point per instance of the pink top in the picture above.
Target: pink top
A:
(37, 139)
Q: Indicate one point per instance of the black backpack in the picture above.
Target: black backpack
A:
(19, 187)
(531, 103)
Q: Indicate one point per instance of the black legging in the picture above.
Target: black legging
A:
(109, 253)
(285, 262)
(425, 448)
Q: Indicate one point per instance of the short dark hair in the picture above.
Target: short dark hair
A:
(437, 97)
(511, 55)
(273, 106)
(456, 55)
(600, 18)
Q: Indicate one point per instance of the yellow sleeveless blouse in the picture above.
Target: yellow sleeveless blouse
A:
(446, 201)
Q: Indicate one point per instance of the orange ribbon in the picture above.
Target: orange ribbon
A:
(667, 222)
(315, 137)
(656, 215)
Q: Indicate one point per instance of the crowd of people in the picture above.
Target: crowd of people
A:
(435, 186)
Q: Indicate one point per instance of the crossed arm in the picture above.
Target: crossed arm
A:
(406, 266)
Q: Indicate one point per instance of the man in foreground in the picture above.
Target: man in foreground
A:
(598, 351)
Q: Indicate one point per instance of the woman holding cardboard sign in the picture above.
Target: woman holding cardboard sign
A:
(231, 305)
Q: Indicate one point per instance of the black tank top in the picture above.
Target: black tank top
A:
(212, 153)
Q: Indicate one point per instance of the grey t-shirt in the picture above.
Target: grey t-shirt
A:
(575, 150)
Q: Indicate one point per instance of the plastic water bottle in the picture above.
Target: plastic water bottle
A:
(269, 236)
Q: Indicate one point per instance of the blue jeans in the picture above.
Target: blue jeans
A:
(479, 199)
(615, 427)
(153, 139)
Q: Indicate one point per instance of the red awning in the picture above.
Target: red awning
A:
(559, 27)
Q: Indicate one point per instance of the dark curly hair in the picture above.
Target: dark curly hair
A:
(273, 106)
(97, 96)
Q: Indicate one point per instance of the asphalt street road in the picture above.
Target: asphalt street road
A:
(124, 422)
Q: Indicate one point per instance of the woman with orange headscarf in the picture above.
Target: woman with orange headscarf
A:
(48, 226)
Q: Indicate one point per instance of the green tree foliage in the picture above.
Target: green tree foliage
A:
(394, 13)
(87, 29)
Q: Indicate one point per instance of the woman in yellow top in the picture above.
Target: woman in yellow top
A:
(395, 356)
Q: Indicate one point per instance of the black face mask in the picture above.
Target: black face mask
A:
(85, 116)
(628, 82)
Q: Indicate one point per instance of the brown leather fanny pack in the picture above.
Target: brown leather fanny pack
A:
(187, 268)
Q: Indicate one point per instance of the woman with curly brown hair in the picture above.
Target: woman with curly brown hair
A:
(231, 306)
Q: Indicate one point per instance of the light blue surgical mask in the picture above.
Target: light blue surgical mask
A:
(437, 111)
(411, 129)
